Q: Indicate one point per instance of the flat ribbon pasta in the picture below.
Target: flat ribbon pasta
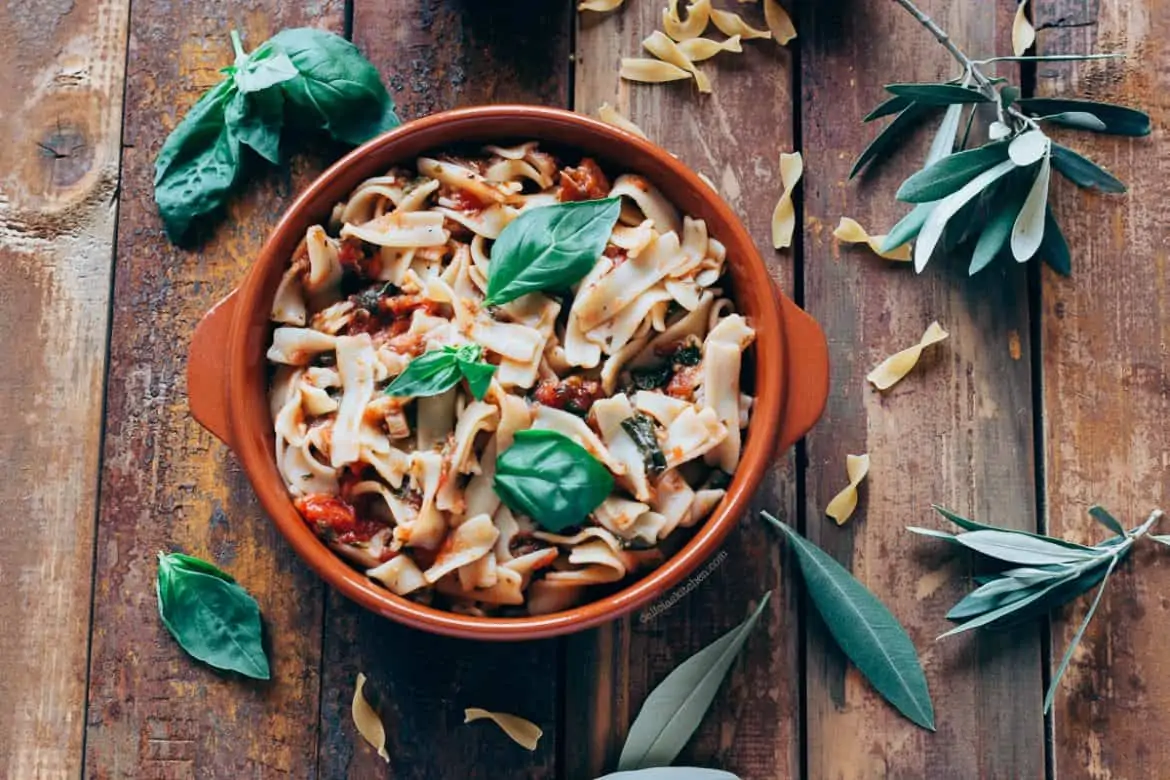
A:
(891, 370)
(851, 232)
(730, 23)
(600, 6)
(784, 216)
(650, 71)
(779, 22)
(699, 49)
(611, 116)
(368, 724)
(523, 732)
(662, 47)
(844, 503)
(698, 14)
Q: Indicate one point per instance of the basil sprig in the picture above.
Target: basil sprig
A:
(210, 615)
(551, 479)
(306, 76)
(549, 247)
(441, 369)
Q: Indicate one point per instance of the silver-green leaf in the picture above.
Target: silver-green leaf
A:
(674, 709)
(1014, 548)
(865, 630)
(671, 773)
(1102, 516)
(1028, 231)
(1076, 640)
(932, 230)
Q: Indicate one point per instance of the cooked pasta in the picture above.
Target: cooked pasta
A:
(498, 452)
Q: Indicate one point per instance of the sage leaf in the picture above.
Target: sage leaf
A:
(949, 174)
(1028, 230)
(1076, 640)
(671, 773)
(1102, 516)
(1054, 249)
(211, 616)
(675, 708)
(892, 134)
(996, 231)
(1014, 548)
(1118, 120)
(937, 94)
(550, 478)
(944, 140)
(885, 108)
(549, 247)
(932, 230)
(971, 525)
(1082, 171)
(865, 630)
(907, 227)
(1079, 119)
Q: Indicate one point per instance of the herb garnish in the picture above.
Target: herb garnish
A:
(675, 708)
(306, 76)
(551, 479)
(641, 429)
(992, 199)
(549, 247)
(441, 369)
(1048, 572)
(210, 615)
(863, 627)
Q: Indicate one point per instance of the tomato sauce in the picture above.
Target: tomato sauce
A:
(335, 518)
(585, 182)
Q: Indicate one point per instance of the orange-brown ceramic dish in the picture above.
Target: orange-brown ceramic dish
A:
(227, 374)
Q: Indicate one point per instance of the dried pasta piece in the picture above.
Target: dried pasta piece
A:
(779, 22)
(891, 370)
(699, 49)
(698, 14)
(368, 724)
(730, 23)
(650, 71)
(784, 217)
(601, 6)
(851, 232)
(611, 116)
(1023, 33)
(662, 47)
(523, 732)
(842, 506)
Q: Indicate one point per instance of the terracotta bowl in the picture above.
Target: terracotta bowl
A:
(227, 373)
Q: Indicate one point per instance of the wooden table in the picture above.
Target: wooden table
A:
(1050, 394)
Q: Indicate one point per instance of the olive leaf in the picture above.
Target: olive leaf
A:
(1082, 171)
(936, 222)
(671, 773)
(675, 708)
(908, 226)
(1080, 119)
(997, 230)
(950, 173)
(1028, 230)
(890, 106)
(892, 134)
(1118, 120)
(944, 140)
(1054, 249)
(864, 629)
(937, 94)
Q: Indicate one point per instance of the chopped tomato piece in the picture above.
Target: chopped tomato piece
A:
(585, 182)
(683, 383)
(353, 257)
(333, 517)
(573, 394)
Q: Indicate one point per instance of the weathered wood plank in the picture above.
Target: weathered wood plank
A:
(439, 54)
(61, 125)
(1106, 397)
(167, 483)
(734, 136)
(958, 431)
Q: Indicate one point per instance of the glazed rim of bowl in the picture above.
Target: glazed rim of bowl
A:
(249, 417)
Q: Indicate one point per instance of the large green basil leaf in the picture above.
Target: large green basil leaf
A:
(441, 369)
(212, 618)
(199, 184)
(256, 118)
(266, 67)
(336, 88)
(198, 129)
(549, 247)
(551, 479)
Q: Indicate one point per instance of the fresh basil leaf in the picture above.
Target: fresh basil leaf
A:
(937, 94)
(477, 374)
(336, 88)
(431, 373)
(1118, 120)
(675, 708)
(549, 247)
(971, 525)
(997, 228)
(640, 428)
(1082, 171)
(891, 135)
(1054, 248)
(199, 184)
(865, 630)
(949, 174)
(256, 118)
(885, 108)
(1102, 516)
(190, 562)
(907, 227)
(197, 130)
(266, 67)
(1076, 640)
(214, 619)
(551, 479)
(671, 773)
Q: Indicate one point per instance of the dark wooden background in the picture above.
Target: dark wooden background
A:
(1051, 394)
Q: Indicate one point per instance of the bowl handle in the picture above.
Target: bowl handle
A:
(207, 369)
(806, 374)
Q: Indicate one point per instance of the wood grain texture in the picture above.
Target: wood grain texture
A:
(167, 484)
(735, 137)
(439, 54)
(61, 126)
(1106, 393)
(957, 431)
